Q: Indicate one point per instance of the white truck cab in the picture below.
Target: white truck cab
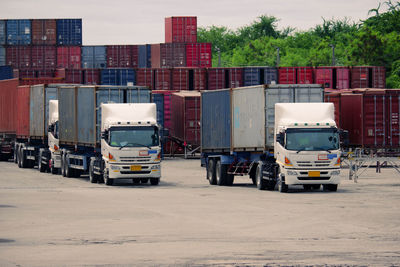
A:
(52, 138)
(306, 146)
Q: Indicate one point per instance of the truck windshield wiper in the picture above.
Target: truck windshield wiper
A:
(300, 150)
(327, 150)
(137, 144)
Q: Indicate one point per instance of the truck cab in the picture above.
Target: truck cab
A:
(52, 138)
(306, 145)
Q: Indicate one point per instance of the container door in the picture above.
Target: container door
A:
(37, 111)
(393, 124)
(67, 118)
(352, 117)
(374, 120)
(192, 120)
(309, 94)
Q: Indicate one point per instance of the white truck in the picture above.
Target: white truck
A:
(279, 135)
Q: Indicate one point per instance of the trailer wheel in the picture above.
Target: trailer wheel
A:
(41, 167)
(220, 174)
(68, 171)
(330, 187)
(92, 176)
(211, 172)
(261, 183)
(154, 181)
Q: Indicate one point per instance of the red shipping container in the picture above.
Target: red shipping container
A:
(19, 57)
(43, 80)
(216, 78)
(360, 77)
(45, 73)
(167, 106)
(145, 77)
(60, 73)
(199, 55)
(393, 116)
(180, 79)
(8, 97)
(200, 79)
(162, 79)
(44, 32)
(74, 76)
(287, 75)
(69, 57)
(44, 57)
(378, 77)
(342, 77)
(335, 98)
(91, 76)
(122, 56)
(235, 77)
(168, 55)
(22, 74)
(305, 75)
(23, 111)
(324, 75)
(181, 30)
(185, 120)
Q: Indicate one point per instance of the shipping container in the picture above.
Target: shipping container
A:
(168, 55)
(162, 79)
(23, 111)
(73, 76)
(235, 77)
(8, 98)
(342, 77)
(6, 73)
(144, 57)
(393, 116)
(91, 76)
(43, 80)
(69, 32)
(378, 77)
(200, 79)
(3, 36)
(185, 120)
(167, 106)
(94, 57)
(217, 78)
(305, 75)
(22, 74)
(44, 57)
(2, 56)
(80, 105)
(287, 75)
(182, 79)
(145, 77)
(44, 73)
(360, 77)
(69, 57)
(181, 30)
(324, 75)
(270, 75)
(122, 56)
(335, 98)
(44, 32)
(199, 55)
(118, 77)
(18, 32)
(19, 57)
(251, 76)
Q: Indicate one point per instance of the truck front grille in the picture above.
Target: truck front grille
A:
(135, 172)
(135, 159)
(318, 163)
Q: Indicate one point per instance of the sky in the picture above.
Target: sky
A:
(107, 22)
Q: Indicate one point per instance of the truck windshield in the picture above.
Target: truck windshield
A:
(134, 136)
(312, 139)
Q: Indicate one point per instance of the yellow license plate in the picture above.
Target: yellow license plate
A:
(136, 168)
(314, 174)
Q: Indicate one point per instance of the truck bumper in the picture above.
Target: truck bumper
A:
(300, 177)
(117, 171)
(56, 160)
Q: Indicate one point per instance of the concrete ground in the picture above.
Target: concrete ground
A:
(48, 220)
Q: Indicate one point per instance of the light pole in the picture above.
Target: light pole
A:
(333, 54)
(219, 56)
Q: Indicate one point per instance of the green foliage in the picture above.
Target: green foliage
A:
(375, 42)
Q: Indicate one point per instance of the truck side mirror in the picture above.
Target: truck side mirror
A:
(344, 138)
(50, 129)
(104, 135)
(280, 138)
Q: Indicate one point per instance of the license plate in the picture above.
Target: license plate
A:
(136, 168)
(314, 174)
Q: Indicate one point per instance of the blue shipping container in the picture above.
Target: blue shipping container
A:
(19, 32)
(118, 77)
(94, 57)
(2, 55)
(270, 75)
(69, 32)
(216, 120)
(6, 72)
(251, 76)
(158, 99)
(2, 32)
(144, 56)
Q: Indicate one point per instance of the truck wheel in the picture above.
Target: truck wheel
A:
(41, 167)
(220, 173)
(330, 187)
(92, 177)
(154, 181)
(144, 180)
(68, 170)
(15, 155)
(282, 186)
(19, 158)
(211, 172)
(107, 180)
(63, 165)
(52, 169)
(261, 183)
(24, 161)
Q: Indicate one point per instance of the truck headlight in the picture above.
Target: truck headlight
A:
(155, 167)
(335, 173)
(114, 167)
(291, 173)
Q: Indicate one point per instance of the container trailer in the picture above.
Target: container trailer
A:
(277, 134)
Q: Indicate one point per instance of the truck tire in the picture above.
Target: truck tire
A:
(211, 172)
(330, 187)
(220, 173)
(63, 165)
(19, 158)
(282, 186)
(15, 155)
(68, 171)
(261, 183)
(52, 169)
(92, 176)
(154, 181)
(24, 161)
(41, 167)
(107, 180)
